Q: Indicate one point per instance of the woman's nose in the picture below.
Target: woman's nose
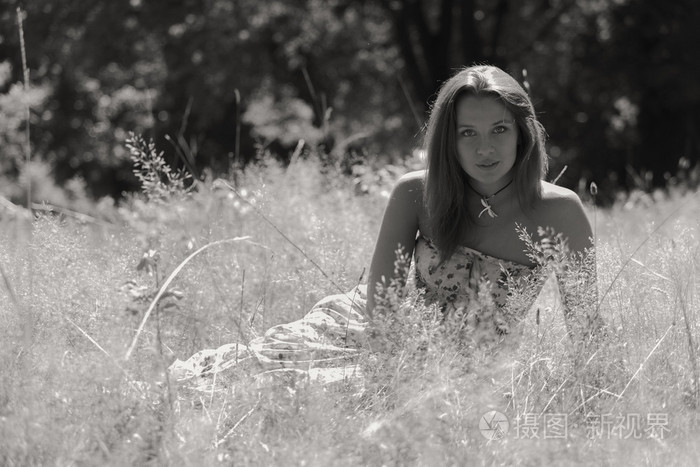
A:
(485, 146)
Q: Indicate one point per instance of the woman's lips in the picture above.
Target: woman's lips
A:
(488, 165)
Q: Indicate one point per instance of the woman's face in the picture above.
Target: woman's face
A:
(487, 140)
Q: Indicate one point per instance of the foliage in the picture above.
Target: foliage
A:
(286, 121)
(158, 180)
(351, 68)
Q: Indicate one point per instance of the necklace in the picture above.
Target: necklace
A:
(485, 200)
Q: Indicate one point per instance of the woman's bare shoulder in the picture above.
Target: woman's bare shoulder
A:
(406, 201)
(412, 180)
(552, 193)
(559, 201)
(409, 187)
(562, 209)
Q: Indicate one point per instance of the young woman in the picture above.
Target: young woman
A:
(457, 219)
(485, 167)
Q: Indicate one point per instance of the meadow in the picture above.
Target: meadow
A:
(75, 291)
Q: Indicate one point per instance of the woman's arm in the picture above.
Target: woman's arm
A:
(398, 230)
(577, 278)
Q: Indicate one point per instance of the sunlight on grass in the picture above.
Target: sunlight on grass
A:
(81, 290)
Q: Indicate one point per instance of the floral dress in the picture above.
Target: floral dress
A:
(324, 344)
(469, 282)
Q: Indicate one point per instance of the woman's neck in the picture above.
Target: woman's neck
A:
(489, 204)
(491, 189)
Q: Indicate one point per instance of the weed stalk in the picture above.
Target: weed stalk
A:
(641, 365)
(159, 339)
(407, 95)
(237, 143)
(25, 75)
(29, 321)
(167, 282)
(556, 179)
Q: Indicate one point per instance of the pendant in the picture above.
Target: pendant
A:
(487, 208)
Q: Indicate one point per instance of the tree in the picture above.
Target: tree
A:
(343, 73)
(600, 74)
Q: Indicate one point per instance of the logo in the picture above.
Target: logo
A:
(493, 425)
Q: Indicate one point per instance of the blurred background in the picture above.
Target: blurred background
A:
(219, 84)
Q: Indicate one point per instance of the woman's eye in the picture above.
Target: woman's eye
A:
(500, 129)
(468, 132)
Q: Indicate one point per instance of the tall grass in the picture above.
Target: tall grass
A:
(71, 398)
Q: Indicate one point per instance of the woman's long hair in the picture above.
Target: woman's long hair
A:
(446, 181)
